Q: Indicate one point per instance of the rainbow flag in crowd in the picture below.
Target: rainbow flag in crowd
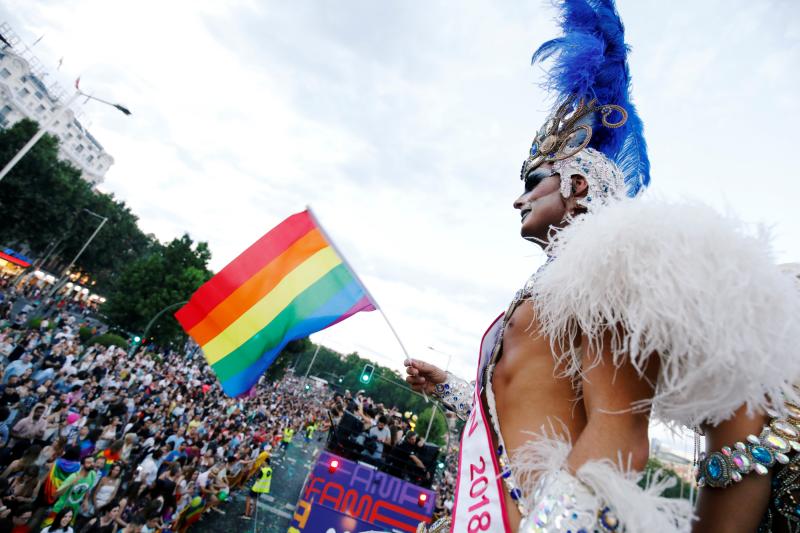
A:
(288, 285)
(61, 470)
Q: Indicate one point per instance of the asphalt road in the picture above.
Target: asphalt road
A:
(275, 509)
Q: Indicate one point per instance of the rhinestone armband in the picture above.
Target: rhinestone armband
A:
(776, 440)
(456, 395)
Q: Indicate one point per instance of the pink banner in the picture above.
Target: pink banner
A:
(479, 504)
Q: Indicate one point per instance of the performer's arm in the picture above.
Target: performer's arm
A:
(739, 506)
(613, 428)
(453, 392)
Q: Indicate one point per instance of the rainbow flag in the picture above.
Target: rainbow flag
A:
(287, 285)
(61, 470)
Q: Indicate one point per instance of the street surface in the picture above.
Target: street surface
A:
(274, 509)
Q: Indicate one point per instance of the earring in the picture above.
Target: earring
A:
(566, 183)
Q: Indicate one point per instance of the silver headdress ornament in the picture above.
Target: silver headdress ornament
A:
(563, 141)
(594, 130)
(604, 178)
(568, 131)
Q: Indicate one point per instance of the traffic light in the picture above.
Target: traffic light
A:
(136, 340)
(366, 374)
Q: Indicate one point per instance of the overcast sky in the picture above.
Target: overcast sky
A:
(404, 124)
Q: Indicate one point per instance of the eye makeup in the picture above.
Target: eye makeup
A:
(535, 177)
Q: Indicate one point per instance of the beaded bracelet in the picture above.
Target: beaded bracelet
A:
(456, 395)
(776, 440)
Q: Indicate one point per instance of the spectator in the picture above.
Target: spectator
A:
(17, 521)
(75, 489)
(62, 522)
(107, 488)
(18, 367)
(31, 427)
(105, 521)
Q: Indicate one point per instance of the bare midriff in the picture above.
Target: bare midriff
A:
(529, 395)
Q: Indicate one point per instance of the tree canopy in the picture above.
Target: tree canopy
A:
(344, 372)
(166, 276)
(44, 202)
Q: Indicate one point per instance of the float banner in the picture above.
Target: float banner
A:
(355, 497)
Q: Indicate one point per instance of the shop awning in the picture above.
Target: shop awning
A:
(13, 257)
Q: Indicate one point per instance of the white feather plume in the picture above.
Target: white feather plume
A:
(680, 280)
(614, 485)
(638, 510)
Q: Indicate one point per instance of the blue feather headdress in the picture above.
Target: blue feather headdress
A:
(589, 74)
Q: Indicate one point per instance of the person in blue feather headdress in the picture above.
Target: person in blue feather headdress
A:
(632, 317)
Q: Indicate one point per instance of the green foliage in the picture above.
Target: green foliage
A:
(438, 428)
(166, 276)
(681, 489)
(85, 333)
(109, 339)
(43, 201)
(386, 387)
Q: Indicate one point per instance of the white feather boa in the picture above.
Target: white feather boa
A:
(684, 282)
(540, 466)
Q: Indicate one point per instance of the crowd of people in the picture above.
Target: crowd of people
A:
(387, 438)
(95, 439)
(92, 439)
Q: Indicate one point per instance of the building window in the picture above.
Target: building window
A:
(4, 115)
(39, 95)
(24, 93)
(40, 109)
(89, 159)
(79, 148)
(5, 73)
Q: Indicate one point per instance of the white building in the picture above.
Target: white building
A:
(23, 94)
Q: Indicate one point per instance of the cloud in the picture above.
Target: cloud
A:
(404, 125)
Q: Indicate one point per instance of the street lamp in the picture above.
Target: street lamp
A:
(63, 278)
(46, 126)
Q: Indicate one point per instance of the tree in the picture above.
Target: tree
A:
(438, 428)
(386, 387)
(44, 202)
(41, 195)
(167, 275)
(654, 467)
(119, 243)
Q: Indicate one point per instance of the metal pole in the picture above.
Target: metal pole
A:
(38, 135)
(430, 422)
(363, 286)
(433, 413)
(59, 284)
(312, 360)
(153, 320)
(255, 518)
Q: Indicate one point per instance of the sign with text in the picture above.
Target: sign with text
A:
(344, 496)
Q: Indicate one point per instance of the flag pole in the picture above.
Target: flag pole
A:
(366, 290)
